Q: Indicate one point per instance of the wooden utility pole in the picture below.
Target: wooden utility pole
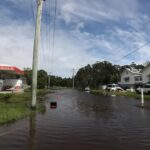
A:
(49, 80)
(36, 51)
(73, 79)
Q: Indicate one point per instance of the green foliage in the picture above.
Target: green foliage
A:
(100, 73)
(95, 75)
(42, 79)
(17, 106)
(84, 77)
(12, 112)
(58, 81)
(28, 75)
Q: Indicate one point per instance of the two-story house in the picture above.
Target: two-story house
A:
(146, 74)
(130, 78)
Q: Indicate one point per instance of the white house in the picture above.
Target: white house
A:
(130, 78)
(146, 74)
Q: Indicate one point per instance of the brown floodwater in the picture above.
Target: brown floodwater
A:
(81, 121)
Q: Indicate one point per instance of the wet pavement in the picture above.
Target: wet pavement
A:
(82, 121)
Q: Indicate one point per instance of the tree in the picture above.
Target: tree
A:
(100, 73)
(83, 77)
(28, 75)
(42, 79)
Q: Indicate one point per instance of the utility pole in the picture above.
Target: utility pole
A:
(73, 79)
(49, 80)
(142, 97)
(36, 52)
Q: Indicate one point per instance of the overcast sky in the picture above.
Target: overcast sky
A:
(86, 31)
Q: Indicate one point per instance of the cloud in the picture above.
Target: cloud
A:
(16, 44)
(86, 32)
(98, 10)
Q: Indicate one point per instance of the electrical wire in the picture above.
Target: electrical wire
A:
(47, 29)
(54, 31)
(137, 49)
(49, 35)
(32, 11)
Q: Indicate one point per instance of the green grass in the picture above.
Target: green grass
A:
(17, 106)
(126, 94)
(11, 112)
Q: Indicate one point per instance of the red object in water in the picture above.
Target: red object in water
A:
(11, 69)
(58, 96)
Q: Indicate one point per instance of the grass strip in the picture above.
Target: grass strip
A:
(16, 106)
(126, 94)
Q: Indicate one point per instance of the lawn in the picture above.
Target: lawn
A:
(126, 93)
(17, 106)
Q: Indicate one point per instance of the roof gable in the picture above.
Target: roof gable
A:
(145, 67)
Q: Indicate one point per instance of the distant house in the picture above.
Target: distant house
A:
(130, 78)
(146, 74)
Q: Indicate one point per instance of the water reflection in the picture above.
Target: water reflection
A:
(95, 106)
(41, 108)
(84, 122)
(32, 131)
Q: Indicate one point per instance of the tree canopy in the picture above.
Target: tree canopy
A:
(43, 78)
(100, 73)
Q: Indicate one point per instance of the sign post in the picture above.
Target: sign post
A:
(142, 97)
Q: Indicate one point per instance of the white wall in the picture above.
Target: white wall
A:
(145, 73)
(126, 73)
(13, 82)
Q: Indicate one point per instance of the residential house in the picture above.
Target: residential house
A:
(146, 74)
(130, 78)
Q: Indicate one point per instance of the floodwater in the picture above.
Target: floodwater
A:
(82, 121)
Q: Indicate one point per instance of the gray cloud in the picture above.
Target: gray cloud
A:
(74, 48)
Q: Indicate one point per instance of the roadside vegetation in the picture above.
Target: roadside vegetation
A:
(124, 93)
(100, 73)
(17, 106)
(44, 79)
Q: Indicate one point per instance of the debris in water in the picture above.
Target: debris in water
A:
(53, 105)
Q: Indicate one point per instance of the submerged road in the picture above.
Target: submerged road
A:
(82, 121)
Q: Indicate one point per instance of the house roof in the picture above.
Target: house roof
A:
(133, 70)
(10, 69)
(146, 67)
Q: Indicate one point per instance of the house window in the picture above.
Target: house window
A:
(138, 78)
(148, 76)
(126, 79)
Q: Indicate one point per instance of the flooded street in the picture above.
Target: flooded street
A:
(82, 121)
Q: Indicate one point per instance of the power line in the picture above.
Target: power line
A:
(42, 41)
(49, 4)
(54, 30)
(32, 11)
(43, 48)
(49, 25)
(53, 34)
(137, 49)
(47, 29)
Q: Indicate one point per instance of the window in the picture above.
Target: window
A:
(109, 85)
(147, 86)
(126, 79)
(148, 76)
(138, 78)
